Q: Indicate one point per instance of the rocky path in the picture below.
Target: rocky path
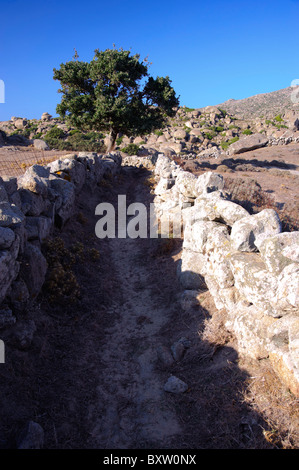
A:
(95, 373)
(134, 410)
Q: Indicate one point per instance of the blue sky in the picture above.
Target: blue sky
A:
(212, 51)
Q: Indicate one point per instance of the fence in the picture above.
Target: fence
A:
(14, 162)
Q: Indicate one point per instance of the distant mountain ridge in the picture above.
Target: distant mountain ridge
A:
(267, 105)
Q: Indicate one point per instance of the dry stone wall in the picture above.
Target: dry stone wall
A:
(248, 264)
(30, 207)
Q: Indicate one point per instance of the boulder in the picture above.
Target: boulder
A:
(283, 350)
(249, 142)
(286, 297)
(32, 204)
(46, 117)
(10, 215)
(38, 228)
(36, 180)
(191, 269)
(10, 184)
(66, 190)
(254, 282)
(40, 144)
(251, 328)
(70, 170)
(218, 209)
(180, 134)
(209, 182)
(245, 231)
(7, 237)
(20, 123)
(186, 184)
(33, 269)
(279, 250)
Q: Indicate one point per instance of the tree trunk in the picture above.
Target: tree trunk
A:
(111, 140)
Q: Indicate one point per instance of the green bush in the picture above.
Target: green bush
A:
(158, 133)
(210, 135)
(54, 138)
(278, 118)
(225, 145)
(89, 142)
(74, 131)
(77, 140)
(223, 112)
(131, 149)
(37, 136)
(247, 132)
(119, 140)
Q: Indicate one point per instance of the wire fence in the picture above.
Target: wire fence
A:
(14, 162)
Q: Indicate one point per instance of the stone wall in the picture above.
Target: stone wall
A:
(250, 267)
(30, 207)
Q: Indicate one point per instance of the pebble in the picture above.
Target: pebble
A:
(175, 385)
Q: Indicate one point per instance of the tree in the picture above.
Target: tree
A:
(114, 93)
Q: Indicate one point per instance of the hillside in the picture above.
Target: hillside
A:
(262, 105)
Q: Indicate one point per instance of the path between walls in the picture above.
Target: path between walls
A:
(134, 407)
(94, 376)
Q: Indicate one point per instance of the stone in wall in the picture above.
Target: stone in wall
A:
(249, 266)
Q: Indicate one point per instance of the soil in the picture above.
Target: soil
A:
(275, 169)
(94, 374)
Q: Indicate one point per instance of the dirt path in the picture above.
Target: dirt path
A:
(134, 407)
(94, 375)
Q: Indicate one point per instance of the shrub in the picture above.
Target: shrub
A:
(89, 142)
(247, 132)
(37, 136)
(119, 140)
(223, 112)
(278, 118)
(53, 137)
(158, 133)
(131, 149)
(74, 131)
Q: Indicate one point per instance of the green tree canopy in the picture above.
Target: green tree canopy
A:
(114, 93)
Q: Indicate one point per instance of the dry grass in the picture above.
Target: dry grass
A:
(279, 408)
(15, 162)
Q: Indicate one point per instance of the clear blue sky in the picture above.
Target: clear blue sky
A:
(212, 51)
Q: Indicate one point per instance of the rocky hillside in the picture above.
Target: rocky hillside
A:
(264, 105)
(192, 133)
